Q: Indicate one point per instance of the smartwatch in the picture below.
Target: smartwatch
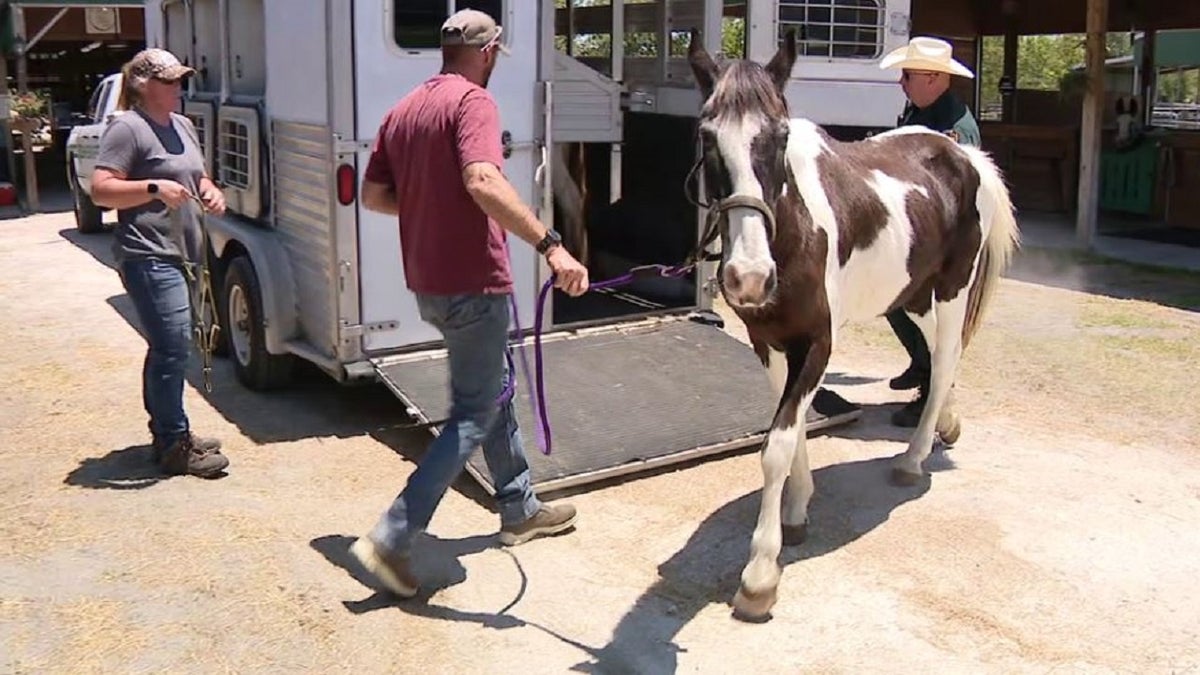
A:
(152, 188)
(548, 242)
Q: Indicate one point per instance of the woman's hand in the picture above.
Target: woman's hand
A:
(212, 197)
(172, 194)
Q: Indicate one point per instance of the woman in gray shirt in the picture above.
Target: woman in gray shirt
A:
(149, 167)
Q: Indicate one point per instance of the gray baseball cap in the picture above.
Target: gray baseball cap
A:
(472, 27)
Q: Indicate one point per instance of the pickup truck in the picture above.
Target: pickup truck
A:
(83, 144)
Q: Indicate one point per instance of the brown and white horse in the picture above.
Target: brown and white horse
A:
(816, 233)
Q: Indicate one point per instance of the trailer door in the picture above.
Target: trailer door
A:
(396, 48)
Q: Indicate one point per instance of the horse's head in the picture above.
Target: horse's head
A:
(743, 131)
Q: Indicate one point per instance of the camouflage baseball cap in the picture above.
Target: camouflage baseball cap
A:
(472, 27)
(158, 64)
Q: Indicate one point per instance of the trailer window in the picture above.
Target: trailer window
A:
(417, 24)
(839, 29)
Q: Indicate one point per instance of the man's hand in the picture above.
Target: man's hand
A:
(212, 197)
(571, 275)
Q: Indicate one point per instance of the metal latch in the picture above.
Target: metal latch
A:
(507, 142)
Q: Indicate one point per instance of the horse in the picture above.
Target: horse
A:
(816, 233)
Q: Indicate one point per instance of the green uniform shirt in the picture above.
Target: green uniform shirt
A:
(946, 114)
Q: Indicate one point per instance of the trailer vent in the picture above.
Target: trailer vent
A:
(238, 158)
(235, 154)
(201, 115)
(835, 29)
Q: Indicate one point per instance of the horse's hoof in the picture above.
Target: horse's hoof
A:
(902, 478)
(951, 431)
(753, 607)
(794, 535)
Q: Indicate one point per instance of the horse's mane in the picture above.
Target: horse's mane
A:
(745, 87)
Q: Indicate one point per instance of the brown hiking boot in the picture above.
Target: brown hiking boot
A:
(202, 442)
(548, 520)
(390, 569)
(185, 457)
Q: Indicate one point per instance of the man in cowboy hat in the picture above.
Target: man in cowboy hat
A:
(926, 66)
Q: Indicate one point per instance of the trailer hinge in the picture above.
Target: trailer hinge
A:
(351, 331)
(343, 146)
(356, 330)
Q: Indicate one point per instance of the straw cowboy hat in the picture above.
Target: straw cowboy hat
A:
(926, 53)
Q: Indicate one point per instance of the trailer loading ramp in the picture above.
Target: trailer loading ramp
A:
(621, 400)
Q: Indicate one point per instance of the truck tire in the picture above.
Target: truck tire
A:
(87, 214)
(255, 367)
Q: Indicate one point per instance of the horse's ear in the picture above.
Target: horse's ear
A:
(1120, 105)
(780, 67)
(703, 66)
(1133, 106)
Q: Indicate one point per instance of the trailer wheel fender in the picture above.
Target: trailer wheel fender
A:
(253, 364)
(266, 255)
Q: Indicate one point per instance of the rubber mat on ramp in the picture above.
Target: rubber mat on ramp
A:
(621, 400)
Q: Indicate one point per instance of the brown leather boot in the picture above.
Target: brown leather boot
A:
(548, 520)
(186, 457)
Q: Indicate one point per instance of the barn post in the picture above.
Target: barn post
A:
(1087, 214)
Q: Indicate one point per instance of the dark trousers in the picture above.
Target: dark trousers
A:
(914, 342)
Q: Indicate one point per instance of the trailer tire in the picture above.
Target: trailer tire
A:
(88, 218)
(242, 306)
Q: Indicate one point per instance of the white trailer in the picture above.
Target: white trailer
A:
(288, 95)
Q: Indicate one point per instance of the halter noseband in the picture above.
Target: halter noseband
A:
(718, 208)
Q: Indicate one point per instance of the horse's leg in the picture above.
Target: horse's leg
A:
(945, 350)
(806, 363)
(948, 425)
(799, 486)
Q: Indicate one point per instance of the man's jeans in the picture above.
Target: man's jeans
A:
(475, 328)
(160, 295)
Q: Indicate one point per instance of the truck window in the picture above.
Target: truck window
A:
(835, 29)
(418, 23)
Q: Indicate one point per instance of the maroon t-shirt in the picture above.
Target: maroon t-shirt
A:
(448, 244)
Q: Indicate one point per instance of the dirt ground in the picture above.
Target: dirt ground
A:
(1062, 533)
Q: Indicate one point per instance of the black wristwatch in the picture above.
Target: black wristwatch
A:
(548, 242)
(152, 188)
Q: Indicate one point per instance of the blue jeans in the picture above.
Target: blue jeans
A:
(475, 329)
(160, 295)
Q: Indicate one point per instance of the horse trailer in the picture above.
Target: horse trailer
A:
(599, 110)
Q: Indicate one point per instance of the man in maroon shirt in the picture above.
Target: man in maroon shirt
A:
(436, 164)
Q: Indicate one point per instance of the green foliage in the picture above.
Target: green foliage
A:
(30, 104)
(645, 45)
(1044, 62)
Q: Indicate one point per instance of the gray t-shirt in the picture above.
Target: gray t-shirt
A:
(142, 149)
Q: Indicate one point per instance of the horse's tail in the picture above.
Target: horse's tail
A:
(999, 222)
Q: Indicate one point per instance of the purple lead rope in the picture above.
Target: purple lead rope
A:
(538, 390)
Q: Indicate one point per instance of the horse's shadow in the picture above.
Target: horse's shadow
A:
(851, 500)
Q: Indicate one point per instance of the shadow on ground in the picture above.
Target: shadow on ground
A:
(130, 468)
(851, 500)
(1076, 271)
